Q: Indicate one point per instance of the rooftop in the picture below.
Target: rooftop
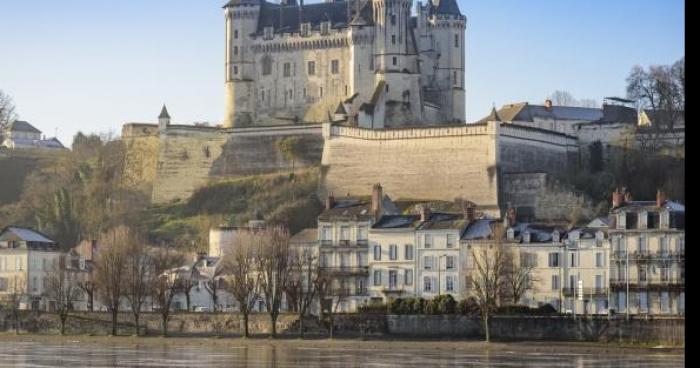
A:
(22, 126)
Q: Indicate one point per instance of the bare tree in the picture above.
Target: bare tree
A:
(165, 283)
(213, 285)
(518, 274)
(12, 299)
(185, 285)
(138, 279)
(488, 278)
(87, 285)
(242, 278)
(563, 98)
(273, 265)
(302, 283)
(110, 269)
(7, 112)
(330, 297)
(61, 285)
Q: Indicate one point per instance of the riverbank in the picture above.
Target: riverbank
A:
(403, 344)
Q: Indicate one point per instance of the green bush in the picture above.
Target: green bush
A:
(446, 304)
(547, 309)
(395, 306)
(373, 308)
(468, 307)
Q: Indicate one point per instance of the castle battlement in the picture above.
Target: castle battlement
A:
(331, 131)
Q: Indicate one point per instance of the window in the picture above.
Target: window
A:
(428, 262)
(361, 259)
(653, 220)
(320, 91)
(454, 78)
(408, 252)
(305, 29)
(599, 259)
(408, 276)
(631, 220)
(428, 241)
(643, 301)
(642, 245)
(311, 68)
(456, 40)
(235, 33)
(377, 278)
(664, 273)
(325, 27)
(377, 252)
(449, 283)
(555, 282)
(268, 33)
(392, 252)
(3, 284)
(642, 274)
(235, 70)
(235, 50)
(324, 260)
(334, 67)
(344, 259)
(393, 19)
(450, 240)
(553, 259)
(665, 305)
(598, 282)
(393, 39)
(362, 233)
(326, 233)
(449, 262)
(345, 233)
(427, 284)
(622, 301)
(572, 281)
(287, 69)
(572, 260)
(393, 61)
(34, 283)
(663, 245)
(392, 279)
(266, 65)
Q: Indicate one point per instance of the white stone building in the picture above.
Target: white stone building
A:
(22, 135)
(370, 63)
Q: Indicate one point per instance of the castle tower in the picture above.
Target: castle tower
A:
(395, 59)
(241, 21)
(163, 119)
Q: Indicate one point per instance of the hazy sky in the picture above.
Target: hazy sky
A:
(84, 65)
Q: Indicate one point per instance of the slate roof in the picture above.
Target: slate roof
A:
(641, 206)
(355, 209)
(396, 221)
(443, 221)
(526, 112)
(444, 7)
(285, 18)
(22, 126)
(164, 113)
(15, 233)
(479, 229)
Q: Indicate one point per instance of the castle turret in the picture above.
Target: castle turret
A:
(163, 119)
(241, 21)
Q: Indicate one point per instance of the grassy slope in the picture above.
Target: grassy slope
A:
(15, 166)
(235, 201)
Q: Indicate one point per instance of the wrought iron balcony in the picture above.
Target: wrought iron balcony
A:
(344, 243)
(346, 271)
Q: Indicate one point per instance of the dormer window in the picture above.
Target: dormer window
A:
(510, 233)
(305, 29)
(526, 237)
(555, 236)
(325, 28)
(599, 237)
(268, 33)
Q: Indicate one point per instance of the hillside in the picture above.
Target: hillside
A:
(15, 166)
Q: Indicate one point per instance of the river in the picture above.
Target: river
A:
(41, 354)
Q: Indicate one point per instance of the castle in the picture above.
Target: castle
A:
(374, 95)
(365, 63)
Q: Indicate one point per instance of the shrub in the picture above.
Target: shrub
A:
(446, 304)
(374, 308)
(547, 309)
(395, 306)
(515, 309)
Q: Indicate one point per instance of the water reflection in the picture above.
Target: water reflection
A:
(28, 354)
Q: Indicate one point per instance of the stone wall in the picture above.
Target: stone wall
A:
(189, 157)
(142, 144)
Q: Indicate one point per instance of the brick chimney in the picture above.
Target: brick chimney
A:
(511, 216)
(424, 213)
(548, 105)
(330, 201)
(617, 198)
(377, 196)
(628, 196)
(470, 213)
(660, 198)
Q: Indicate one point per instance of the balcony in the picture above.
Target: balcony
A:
(346, 271)
(344, 244)
(393, 290)
(671, 283)
(348, 292)
(586, 291)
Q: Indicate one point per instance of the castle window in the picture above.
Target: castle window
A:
(262, 96)
(325, 27)
(235, 50)
(268, 33)
(456, 40)
(393, 39)
(291, 96)
(454, 77)
(287, 69)
(235, 34)
(235, 70)
(393, 60)
(266, 65)
(311, 68)
(393, 19)
(334, 67)
(305, 29)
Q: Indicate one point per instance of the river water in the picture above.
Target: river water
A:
(34, 354)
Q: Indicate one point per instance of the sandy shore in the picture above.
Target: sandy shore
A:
(344, 343)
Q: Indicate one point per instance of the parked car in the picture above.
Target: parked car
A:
(202, 309)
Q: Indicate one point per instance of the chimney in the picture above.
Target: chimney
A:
(330, 201)
(377, 197)
(512, 216)
(617, 198)
(424, 213)
(628, 196)
(470, 213)
(660, 198)
(548, 105)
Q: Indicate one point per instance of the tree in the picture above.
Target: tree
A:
(273, 265)
(185, 286)
(291, 148)
(61, 287)
(138, 279)
(301, 286)
(518, 274)
(12, 299)
(488, 278)
(242, 278)
(213, 286)
(7, 112)
(563, 98)
(110, 269)
(165, 282)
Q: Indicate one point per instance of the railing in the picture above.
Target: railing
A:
(343, 243)
(635, 283)
(393, 290)
(357, 270)
(586, 291)
(349, 292)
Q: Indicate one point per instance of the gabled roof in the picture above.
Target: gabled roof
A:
(15, 233)
(526, 112)
(22, 126)
(356, 209)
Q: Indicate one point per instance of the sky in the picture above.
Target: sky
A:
(91, 66)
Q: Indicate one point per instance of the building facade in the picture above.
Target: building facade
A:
(363, 62)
